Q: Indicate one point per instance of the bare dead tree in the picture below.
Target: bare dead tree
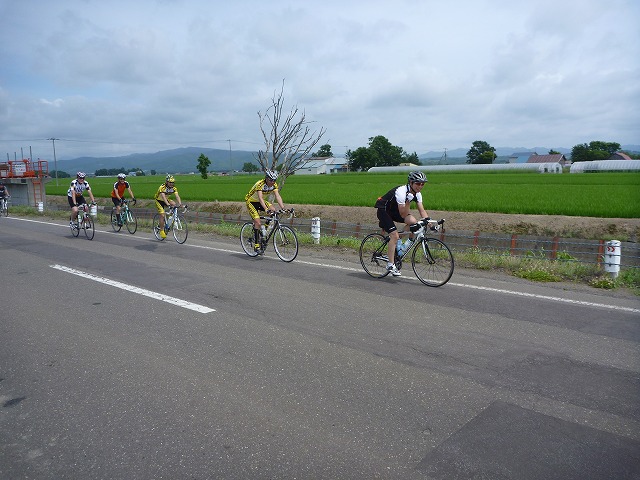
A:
(288, 139)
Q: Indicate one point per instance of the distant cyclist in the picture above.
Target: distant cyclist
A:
(4, 191)
(117, 194)
(75, 195)
(395, 206)
(257, 202)
(162, 199)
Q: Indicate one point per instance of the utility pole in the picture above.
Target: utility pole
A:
(55, 160)
(230, 163)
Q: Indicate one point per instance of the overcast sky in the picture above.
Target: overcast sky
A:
(110, 77)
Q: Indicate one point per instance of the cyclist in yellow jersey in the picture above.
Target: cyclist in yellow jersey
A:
(257, 202)
(162, 199)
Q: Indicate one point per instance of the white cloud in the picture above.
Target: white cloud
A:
(148, 75)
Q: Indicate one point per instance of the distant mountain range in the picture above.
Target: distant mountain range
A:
(185, 160)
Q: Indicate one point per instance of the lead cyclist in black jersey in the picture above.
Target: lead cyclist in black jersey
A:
(395, 206)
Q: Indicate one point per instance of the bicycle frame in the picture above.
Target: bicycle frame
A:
(431, 259)
(285, 241)
(173, 221)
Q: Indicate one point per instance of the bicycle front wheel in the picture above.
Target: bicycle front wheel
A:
(180, 230)
(5, 209)
(373, 255)
(75, 227)
(114, 221)
(432, 262)
(131, 221)
(89, 228)
(156, 226)
(246, 239)
(285, 243)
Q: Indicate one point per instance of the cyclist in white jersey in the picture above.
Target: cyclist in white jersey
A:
(395, 206)
(75, 195)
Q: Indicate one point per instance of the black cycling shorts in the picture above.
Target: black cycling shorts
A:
(387, 218)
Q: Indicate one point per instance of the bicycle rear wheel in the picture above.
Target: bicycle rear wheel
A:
(156, 226)
(246, 239)
(285, 243)
(131, 221)
(432, 262)
(114, 221)
(373, 255)
(5, 208)
(89, 228)
(180, 230)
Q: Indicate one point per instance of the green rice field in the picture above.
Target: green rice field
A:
(608, 195)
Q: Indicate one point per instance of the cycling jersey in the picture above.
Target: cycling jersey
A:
(120, 187)
(166, 190)
(3, 191)
(260, 186)
(398, 196)
(79, 187)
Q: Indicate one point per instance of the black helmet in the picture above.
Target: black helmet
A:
(417, 176)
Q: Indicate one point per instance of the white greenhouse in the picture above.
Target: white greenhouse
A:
(606, 166)
(540, 167)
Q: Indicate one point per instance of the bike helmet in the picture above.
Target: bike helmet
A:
(271, 175)
(417, 176)
(81, 174)
(122, 176)
(170, 179)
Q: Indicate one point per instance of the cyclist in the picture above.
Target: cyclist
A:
(257, 202)
(117, 193)
(162, 200)
(395, 206)
(75, 195)
(4, 192)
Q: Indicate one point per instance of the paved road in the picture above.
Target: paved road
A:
(125, 357)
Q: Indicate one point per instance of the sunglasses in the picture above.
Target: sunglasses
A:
(418, 183)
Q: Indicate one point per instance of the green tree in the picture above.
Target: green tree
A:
(379, 153)
(595, 150)
(203, 165)
(250, 167)
(323, 151)
(413, 158)
(481, 152)
(553, 152)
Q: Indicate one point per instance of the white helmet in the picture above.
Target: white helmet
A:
(122, 175)
(270, 174)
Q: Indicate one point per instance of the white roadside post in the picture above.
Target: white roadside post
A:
(612, 257)
(315, 229)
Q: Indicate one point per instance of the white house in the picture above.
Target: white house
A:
(323, 165)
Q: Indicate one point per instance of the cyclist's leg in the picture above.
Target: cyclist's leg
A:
(388, 225)
(409, 221)
(116, 204)
(254, 208)
(160, 206)
(74, 209)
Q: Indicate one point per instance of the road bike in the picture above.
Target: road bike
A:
(83, 222)
(125, 217)
(285, 240)
(174, 221)
(431, 259)
(4, 206)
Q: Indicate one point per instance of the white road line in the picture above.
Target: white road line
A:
(462, 285)
(138, 290)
